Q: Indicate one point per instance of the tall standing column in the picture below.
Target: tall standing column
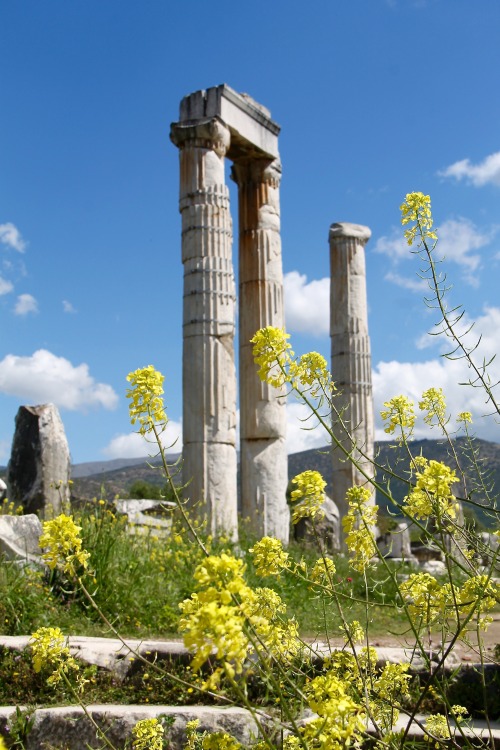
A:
(351, 358)
(264, 463)
(209, 378)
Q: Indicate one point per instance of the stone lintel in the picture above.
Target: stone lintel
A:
(355, 231)
(253, 133)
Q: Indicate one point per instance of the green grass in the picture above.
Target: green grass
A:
(139, 580)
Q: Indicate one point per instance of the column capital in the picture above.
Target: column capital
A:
(345, 230)
(211, 133)
(257, 172)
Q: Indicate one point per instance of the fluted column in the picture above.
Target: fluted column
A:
(351, 358)
(264, 463)
(209, 378)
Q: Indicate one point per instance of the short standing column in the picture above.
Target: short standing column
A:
(351, 358)
(209, 378)
(264, 465)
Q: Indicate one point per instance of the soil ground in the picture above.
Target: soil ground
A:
(491, 638)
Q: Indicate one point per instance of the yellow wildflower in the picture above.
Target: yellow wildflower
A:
(146, 405)
(49, 649)
(433, 402)
(148, 735)
(398, 413)
(358, 525)
(309, 495)
(63, 545)
(269, 557)
(432, 496)
(417, 208)
(271, 351)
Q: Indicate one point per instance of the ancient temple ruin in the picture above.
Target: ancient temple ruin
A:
(214, 125)
(351, 361)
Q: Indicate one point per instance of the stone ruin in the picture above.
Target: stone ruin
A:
(39, 468)
(216, 124)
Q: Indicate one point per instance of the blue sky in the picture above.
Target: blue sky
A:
(376, 98)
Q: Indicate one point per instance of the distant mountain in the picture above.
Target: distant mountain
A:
(116, 477)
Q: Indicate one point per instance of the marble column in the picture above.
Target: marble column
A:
(209, 378)
(264, 463)
(351, 359)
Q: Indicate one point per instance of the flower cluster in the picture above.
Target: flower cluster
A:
(269, 556)
(417, 208)
(322, 571)
(309, 495)
(208, 740)
(146, 404)
(341, 720)
(358, 526)
(277, 365)
(226, 617)
(434, 404)
(310, 371)
(432, 495)
(148, 735)
(49, 649)
(272, 352)
(63, 545)
(428, 601)
(399, 413)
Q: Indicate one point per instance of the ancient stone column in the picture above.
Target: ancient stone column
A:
(209, 378)
(263, 457)
(39, 468)
(351, 360)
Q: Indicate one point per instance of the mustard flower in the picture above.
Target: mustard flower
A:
(272, 352)
(309, 495)
(432, 495)
(479, 593)
(427, 600)
(392, 683)
(341, 720)
(417, 208)
(358, 526)
(310, 370)
(148, 735)
(269, 557)
(322, 571)
(146, 403)
(433, 402)
(63, 545)
(353, 632)
(465, 417)
(3, 746)
(398, 413)
(219, 741)
(49, 649)
(438, 726)
(219, 617)
(267, 603)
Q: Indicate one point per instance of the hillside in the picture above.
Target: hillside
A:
(116, 481)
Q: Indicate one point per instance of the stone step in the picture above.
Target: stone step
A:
(68, 728)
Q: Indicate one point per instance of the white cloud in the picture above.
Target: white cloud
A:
(26, 304)
(394, 246)
(487, 171)
(411, 379)
(133, 445)
(458, 239)
(44, 377)
(307, 305)
(413, 284)
(302, 433)
(68, 307)
(5, 286)
(11, 237)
